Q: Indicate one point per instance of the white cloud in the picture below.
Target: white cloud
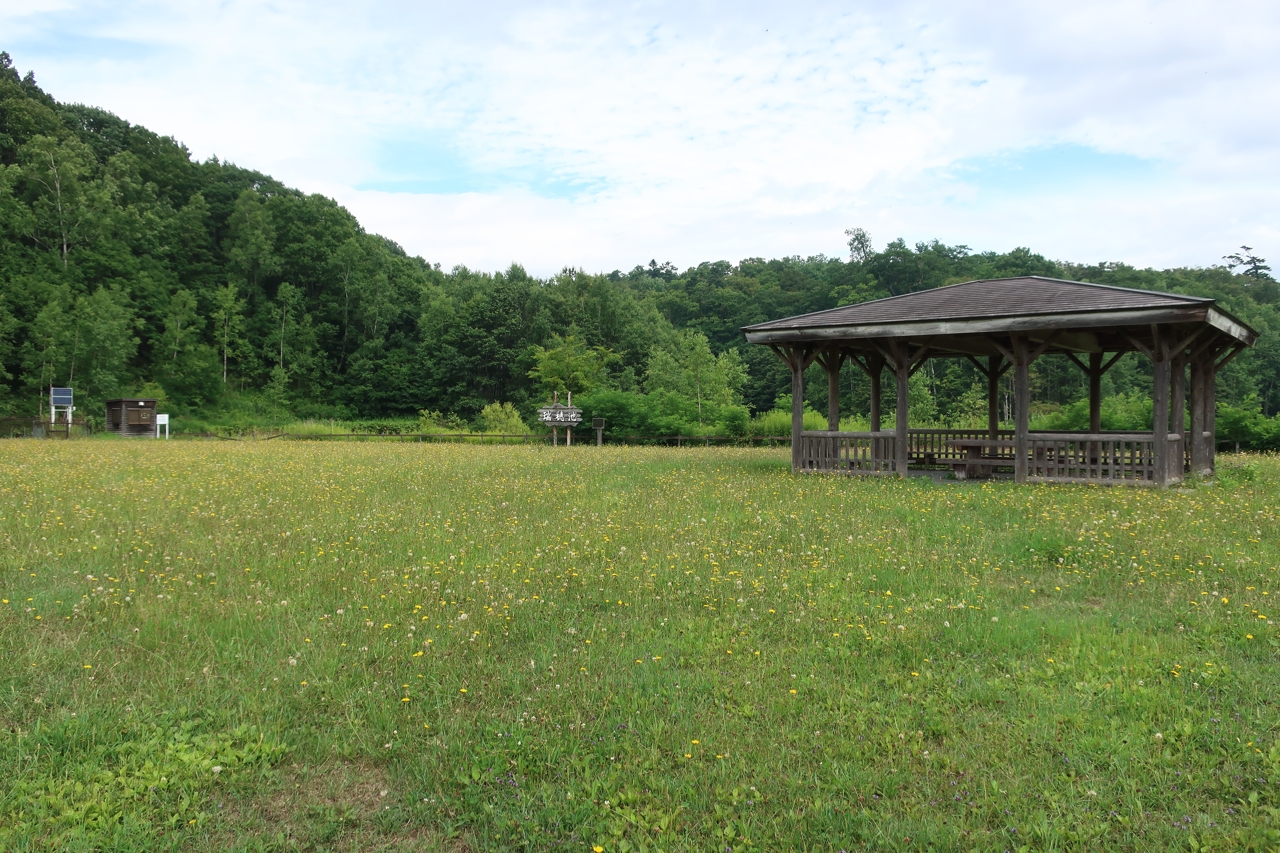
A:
(604, 135)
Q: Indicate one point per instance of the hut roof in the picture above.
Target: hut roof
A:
(1021, 304)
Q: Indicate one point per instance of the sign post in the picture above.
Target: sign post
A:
(598, 425)
(557, 415)
(162, 421)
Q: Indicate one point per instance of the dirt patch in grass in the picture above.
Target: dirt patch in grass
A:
(336, 807)
(360, 788)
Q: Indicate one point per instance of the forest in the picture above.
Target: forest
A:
(129, 268)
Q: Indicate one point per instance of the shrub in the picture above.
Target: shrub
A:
(734, 420)
(501, 418)
(778, 422)
(432, 421)
(1247, 426)
(1123, 412)
(661, 413)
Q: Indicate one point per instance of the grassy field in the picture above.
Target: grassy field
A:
(383, 646)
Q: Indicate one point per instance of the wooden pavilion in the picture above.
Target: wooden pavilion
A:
(1006, 324)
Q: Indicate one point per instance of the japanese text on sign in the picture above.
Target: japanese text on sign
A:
(557, 414)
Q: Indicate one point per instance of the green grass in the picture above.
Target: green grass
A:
(308, 427)
(391, 646)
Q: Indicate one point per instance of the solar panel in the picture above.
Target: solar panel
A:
(60, 396)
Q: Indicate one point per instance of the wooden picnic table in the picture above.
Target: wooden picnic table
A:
(979, 459)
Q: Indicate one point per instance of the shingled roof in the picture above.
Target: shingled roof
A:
(988, 297)
(1023, 303)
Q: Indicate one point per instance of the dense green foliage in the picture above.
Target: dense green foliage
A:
(128, 267)
(294, 646)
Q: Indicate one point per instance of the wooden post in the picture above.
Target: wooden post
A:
(797, 358)
(902, 370)
(797, 412)
(1197, 416)
(1178, 394)
(833, 398)
(876, 365)
(993, 396)
(1160, 404)
(1021, 408)
(1095, 392)
(1178, 413)
(1211, 414)
(797, 362)
(873, 365)
(831, 362)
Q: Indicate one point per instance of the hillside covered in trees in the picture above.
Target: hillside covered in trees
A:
(127, 267)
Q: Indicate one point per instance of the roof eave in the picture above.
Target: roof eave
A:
(1226, 322)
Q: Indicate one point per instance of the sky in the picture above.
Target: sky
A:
(603, 135)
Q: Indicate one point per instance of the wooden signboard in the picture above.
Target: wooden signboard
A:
(558, 415)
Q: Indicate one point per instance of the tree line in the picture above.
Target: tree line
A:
(128, 267)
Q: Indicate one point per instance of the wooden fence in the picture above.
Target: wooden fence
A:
(848, 452)
(584, 437)
(1058, 457)
(430, 437)
(1097, 457)
(40, 428)
(701, 440)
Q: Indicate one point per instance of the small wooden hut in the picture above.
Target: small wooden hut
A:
(1001, 325)
(132, 417)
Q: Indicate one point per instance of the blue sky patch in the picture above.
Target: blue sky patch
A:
(435, 166)
(1053, 167)
(34, 50)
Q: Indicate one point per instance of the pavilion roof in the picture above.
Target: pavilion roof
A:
(1025, 304)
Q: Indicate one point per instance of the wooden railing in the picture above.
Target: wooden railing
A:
(848, 452)
(1072, 457)
(1098, 457)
